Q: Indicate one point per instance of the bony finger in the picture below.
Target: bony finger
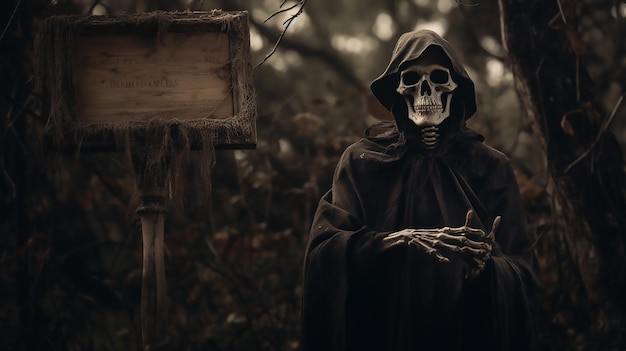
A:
(390, 243)
(442, 258)
(430, 250)
(471, 273)
(393, 236)
(438, 255)
(475, 231)
(451, 247)
(473, 251)
(486, 259)
(453, 231)
(461, 231)
(463, 241)
(422, 245)
(494, 226)
(468, 216)
(476, 261)
(393, 240)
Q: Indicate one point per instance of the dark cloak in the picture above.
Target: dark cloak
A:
(356, 297)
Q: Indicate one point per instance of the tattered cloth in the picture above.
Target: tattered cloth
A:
(165, 142)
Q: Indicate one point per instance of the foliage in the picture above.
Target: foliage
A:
(70, 250)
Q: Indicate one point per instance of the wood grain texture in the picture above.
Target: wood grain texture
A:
(121, 78)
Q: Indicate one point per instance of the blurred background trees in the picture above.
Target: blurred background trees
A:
(70, 250)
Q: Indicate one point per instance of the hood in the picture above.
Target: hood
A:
(409, 47)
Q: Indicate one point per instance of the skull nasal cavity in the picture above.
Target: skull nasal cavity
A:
(425, 88)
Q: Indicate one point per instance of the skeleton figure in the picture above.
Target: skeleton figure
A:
(427, 88)
(420, 244)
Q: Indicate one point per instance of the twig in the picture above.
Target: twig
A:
(329, 58)
(10, 19)
(544, 120)
(561, 11)
(10, 128)
(117, 192)
(577, 78)
(603, 128)
(537, 240)
(287, 24)
(281, 11)
(7, 177)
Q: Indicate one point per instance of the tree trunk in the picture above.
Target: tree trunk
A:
(15, 149)
(586, 168)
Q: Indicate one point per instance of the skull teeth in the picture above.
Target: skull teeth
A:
(428, 108)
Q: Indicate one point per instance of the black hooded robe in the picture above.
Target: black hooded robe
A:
(356, 297)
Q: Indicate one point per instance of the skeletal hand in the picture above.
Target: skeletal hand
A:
(472, 244)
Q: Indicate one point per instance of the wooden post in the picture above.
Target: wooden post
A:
(152, 208)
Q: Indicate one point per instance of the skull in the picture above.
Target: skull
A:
(427, 90)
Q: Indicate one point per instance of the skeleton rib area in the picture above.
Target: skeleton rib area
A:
(430, 137)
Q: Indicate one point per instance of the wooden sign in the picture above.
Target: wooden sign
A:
(155, 85)
(186, 69)
(120, 78)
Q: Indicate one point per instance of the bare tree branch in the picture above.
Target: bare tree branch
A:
(331, 59)
(10, 19)
(286, 24)
(603, 129)
(285, 10)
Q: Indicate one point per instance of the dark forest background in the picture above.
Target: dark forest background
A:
(549, 96)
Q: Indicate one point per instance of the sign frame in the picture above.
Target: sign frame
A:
(59, 50)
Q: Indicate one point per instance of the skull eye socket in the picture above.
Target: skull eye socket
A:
(439, 76)
(410, 78)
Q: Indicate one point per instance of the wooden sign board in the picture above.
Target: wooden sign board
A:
(185, 69)
(119, 78)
